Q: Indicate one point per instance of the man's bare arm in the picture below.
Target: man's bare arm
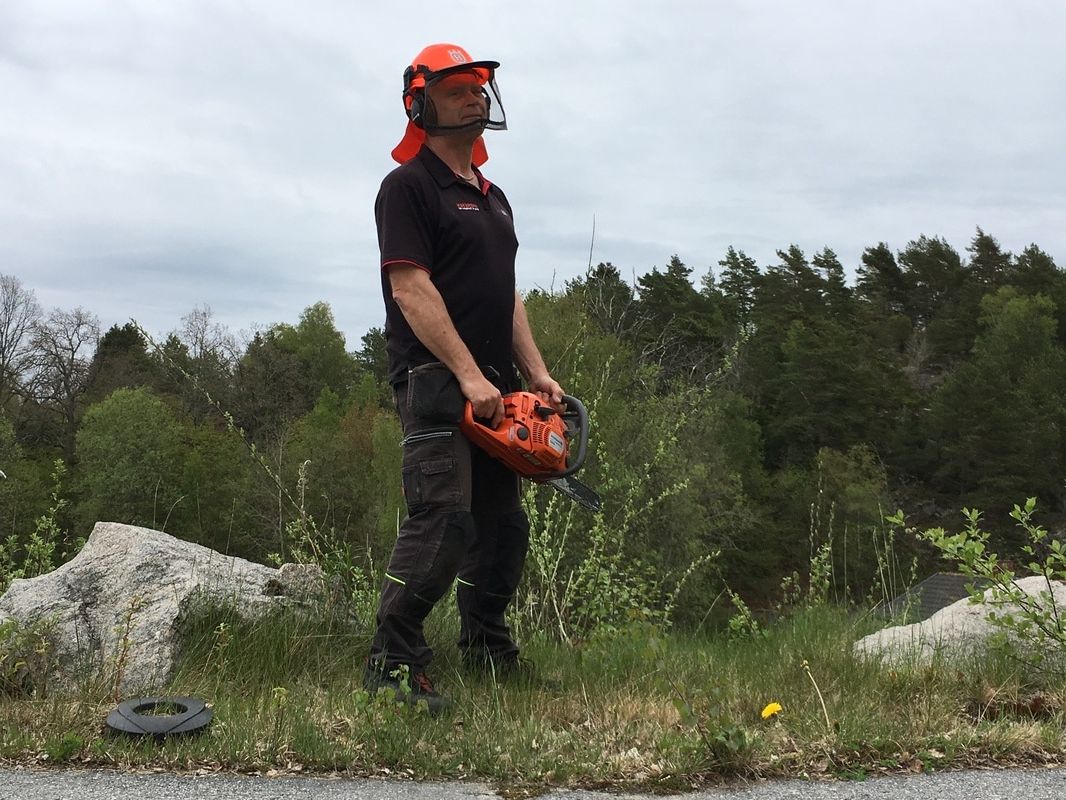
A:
(425, 312)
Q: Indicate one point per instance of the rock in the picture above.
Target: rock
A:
(121, 601)
(959, 629)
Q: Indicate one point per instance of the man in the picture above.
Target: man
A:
(455, 327)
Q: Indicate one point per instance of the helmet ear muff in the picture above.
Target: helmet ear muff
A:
(414, 102)
(416, 108)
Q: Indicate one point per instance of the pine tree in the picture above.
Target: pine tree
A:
(738, 285)
(881, 282)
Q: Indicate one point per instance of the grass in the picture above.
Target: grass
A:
(642, 710)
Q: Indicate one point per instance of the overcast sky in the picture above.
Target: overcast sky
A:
(156, 156)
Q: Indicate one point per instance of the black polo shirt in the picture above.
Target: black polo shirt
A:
(464, 238)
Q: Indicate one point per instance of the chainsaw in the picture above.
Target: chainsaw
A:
(534, 440)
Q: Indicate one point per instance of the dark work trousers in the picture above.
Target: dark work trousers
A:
(465, 524)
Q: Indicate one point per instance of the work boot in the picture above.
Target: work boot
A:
(405, 687)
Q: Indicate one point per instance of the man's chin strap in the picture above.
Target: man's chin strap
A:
(447, 130)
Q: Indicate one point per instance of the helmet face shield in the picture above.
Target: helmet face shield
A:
(438, 85)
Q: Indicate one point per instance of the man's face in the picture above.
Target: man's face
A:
(458, 99)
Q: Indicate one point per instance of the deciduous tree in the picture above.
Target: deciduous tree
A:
(130, 460)
(19, 314)
(63, 344)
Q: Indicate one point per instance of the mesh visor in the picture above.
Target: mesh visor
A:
(496, 119)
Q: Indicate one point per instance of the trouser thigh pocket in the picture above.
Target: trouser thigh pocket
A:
(433, 394)
(432, 475)
(431, 483)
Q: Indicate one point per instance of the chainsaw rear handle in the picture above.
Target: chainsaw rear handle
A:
(575, 409)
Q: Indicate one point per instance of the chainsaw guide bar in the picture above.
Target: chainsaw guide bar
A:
(578, 492)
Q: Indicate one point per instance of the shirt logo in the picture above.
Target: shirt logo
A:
(468, 206)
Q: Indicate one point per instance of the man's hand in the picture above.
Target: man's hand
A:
(548, 390)
(484, 397)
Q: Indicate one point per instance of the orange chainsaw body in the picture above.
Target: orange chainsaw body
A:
(532, 440)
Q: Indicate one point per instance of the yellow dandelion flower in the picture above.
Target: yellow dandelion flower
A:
(771, 710)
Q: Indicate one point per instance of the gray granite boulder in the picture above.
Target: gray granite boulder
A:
(958, 629)
(116, 609)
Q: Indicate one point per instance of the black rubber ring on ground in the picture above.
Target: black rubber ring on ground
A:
(127, 717)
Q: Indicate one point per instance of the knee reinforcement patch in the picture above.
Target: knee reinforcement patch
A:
(441, 558)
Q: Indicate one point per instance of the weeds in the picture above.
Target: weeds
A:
(581, 580)
(25, 657)
(821, 700)
(1033, 619)
(742, 624)
(890, 581)
(37, 555)
(120, 658)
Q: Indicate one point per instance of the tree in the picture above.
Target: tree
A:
(1034, 272)
(373, 356)
(335, 440)
(680, 329)
(268, 390)
(607, 299)
(989, 265)
(998, 421)
(789, 292)
(938, 302)
(209, 353)
(19, 314)
(217, 483)
(954, 327)
(207, 339)
(320, 351)
(884, 293)
(284, 370)
(121, 360)
(10, 499)
(933, 273)
(882, 282)
(130, 460)
(806, 288)
(830, 389)
(62, 345)
(838, 297)
(738, 284)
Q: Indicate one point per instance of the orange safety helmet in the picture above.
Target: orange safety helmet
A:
(435, 62)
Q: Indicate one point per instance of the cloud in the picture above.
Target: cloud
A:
(158, 157)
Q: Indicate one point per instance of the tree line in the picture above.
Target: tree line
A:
(770, 411)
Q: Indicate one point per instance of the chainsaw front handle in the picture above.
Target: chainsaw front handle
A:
(575, 409)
